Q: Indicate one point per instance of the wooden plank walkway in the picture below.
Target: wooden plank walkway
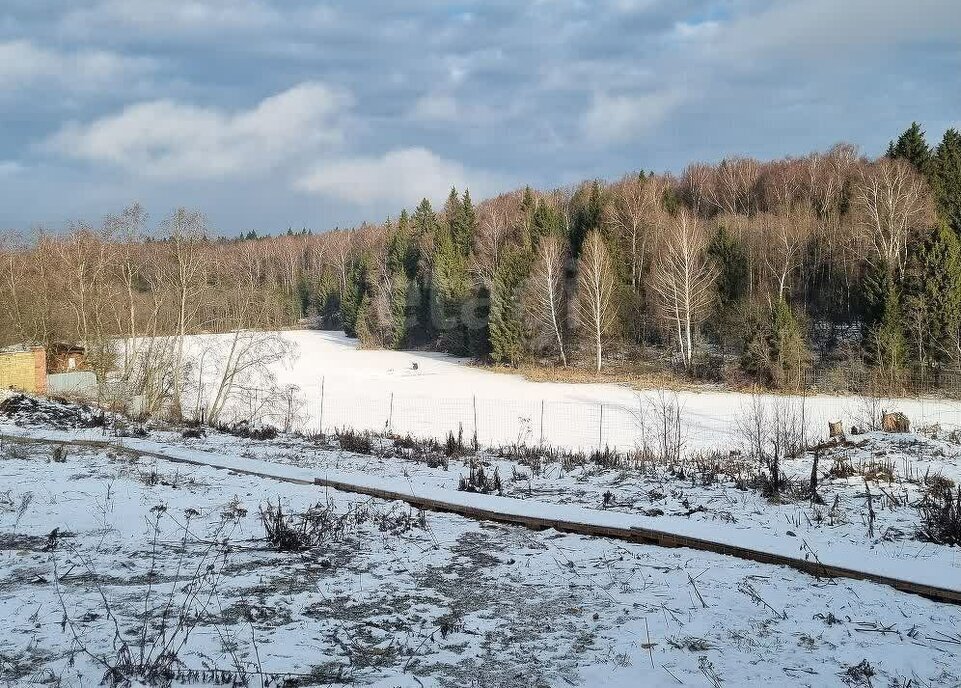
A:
(637, 535)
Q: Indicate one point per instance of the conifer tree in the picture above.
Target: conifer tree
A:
(588, 215)
(508, 334)
(933, 297)
(352, 298)
(912, 147)
(947, 178)
(888, 342)
(776, 351)
(728, 255)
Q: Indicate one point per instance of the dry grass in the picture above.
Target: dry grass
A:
(635, 375)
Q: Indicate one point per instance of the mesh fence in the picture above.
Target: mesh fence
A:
(708, 420)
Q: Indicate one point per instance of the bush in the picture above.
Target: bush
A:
(941, 514)
(248, 431)
(299, 532)
(479, 481)
(356, 442)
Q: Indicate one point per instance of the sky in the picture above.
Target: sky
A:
(269, 114)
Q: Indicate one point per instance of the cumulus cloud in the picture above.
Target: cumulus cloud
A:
(399, 177)
(621, 118)
(23, 64)
(168, 139)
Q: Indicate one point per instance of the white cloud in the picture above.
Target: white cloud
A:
(23, 64)
(168, 17)
(620, 118)
(167, 139)
(399, 177)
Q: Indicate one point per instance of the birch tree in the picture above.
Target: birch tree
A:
(683, 280)
(545, 293)
(596, 314)
(893, 203)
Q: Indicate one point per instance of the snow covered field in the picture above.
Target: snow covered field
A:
(398, 598)
(114, 559)
(341, 386)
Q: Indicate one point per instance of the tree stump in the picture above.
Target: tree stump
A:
(895, 422)
(835, 429)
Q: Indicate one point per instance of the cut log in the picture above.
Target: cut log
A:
(895, 422)
(835, 429)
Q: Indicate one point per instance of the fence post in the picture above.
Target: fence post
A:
(600, 430)
(542, 422)
(322, 381)
(476, 440)
(390, 414)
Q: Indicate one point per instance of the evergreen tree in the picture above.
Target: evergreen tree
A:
(352, 298)
(425, 230)
(545, 220)
(947, 178)
(888, 344)
(912, 147)
(508, 333)
(731, 286)
(399, 309)
(588, 215)
(776, 353)
(933, 297)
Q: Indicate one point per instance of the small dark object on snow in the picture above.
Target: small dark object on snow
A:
(835, 429)
(194, 433)
(60, 454)
(895, 422)
(854, 430)
(414, 366)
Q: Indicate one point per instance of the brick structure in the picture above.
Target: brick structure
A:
(24, 370)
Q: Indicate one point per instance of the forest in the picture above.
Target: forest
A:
(745, 271)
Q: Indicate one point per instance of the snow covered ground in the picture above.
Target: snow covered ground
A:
(104, 551)
(429, 395)
(398, 598)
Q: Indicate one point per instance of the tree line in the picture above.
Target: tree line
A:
(751, 269)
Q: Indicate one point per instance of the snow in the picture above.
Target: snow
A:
(402, 602)
(343, 386)
(941, 565)
(401, 599)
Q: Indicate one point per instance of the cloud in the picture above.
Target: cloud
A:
(399, 177)
(436, 107)
(824, 29)
(169, 17)
(622, 118)
(167, 139)
(8, 168)
(25, 64)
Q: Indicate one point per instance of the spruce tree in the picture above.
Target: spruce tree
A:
(352, 298)
(933, 297)
(731, 286)
(912, 147)
(588, 215)
(776, 353)
(508, 333)
(888, 343)
(947, 178)
(425, 230)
